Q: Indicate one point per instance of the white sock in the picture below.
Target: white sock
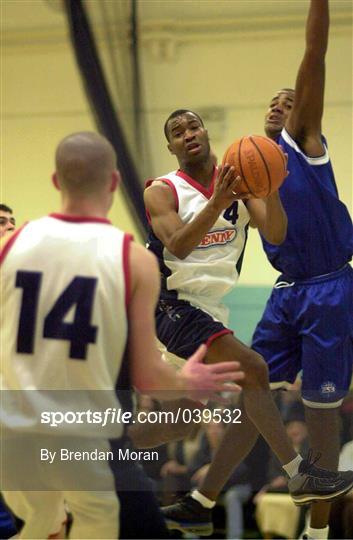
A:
(318, 534)
(292, 467)
(204, 501)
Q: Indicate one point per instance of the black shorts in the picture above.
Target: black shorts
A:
(182, 327)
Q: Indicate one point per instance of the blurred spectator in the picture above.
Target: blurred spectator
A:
(341, 518)
(153, 468)
(175, 472)
(238, 488)
(276, 514)
(7, 220)
(7, 522)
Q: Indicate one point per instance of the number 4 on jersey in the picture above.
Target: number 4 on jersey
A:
(79, 294)
(231, 213)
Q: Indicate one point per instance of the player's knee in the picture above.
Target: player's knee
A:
(256, 371)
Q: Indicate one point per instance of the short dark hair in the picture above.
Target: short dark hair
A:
(5, 208)
(176, 113)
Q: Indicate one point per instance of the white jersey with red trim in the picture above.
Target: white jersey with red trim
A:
(212, 269)
(64, 324)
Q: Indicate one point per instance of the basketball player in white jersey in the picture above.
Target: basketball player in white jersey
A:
(198, 233)
(77, 294)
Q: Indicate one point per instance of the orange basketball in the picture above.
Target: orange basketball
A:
(260, 162)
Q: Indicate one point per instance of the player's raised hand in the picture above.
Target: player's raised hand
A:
(225, 189)
(237, 190)
(205, 380)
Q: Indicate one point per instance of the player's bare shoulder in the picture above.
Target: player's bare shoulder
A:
(158, 192)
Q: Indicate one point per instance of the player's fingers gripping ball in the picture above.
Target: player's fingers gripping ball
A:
(260, 163)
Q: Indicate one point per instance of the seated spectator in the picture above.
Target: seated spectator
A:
(238, 488)
(341, 518)
(175, 472)
(7, 220)
(153, 468)
(276, 514)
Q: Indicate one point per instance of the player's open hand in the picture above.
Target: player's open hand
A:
(206, 380)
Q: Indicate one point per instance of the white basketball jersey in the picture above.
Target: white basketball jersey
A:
(63, 309)
(212, 269)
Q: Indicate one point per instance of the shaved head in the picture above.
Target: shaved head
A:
(84, 162)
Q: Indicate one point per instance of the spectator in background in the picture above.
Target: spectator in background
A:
(175, 472)
(7, 525)
(7, 220)
(341, 519)
(276, 514)
(238, 488)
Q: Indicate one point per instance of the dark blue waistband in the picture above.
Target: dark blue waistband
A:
(315, 279)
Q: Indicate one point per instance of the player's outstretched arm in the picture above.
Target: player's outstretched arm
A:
(304, 122)
(180, 238)
(150, 375)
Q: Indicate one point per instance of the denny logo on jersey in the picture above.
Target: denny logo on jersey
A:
(217, 238)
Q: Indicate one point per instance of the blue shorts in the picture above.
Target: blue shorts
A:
(308, 325)
(182, 328)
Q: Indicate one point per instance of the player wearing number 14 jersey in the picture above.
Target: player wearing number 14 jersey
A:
(39, 311)
(73, 288)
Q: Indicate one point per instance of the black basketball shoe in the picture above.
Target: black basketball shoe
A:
(314, 484)
(188, 515)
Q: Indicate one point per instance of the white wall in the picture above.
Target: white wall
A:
(42, 100)
(201, 59)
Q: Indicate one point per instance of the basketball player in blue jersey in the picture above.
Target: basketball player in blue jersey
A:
(198, 233)
(308, 321)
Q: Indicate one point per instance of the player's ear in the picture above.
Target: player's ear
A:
(116, 179)
(171, 149)
(55, 181)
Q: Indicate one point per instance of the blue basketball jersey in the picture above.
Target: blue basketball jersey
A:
(320, 231)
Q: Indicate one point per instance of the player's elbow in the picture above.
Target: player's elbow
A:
(145, 384)
(277, 240)
(178, 250)
(277, 236)
(180, 254)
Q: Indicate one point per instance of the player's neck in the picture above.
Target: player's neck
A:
(202, 173)
(84, 208)
(272, 135)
